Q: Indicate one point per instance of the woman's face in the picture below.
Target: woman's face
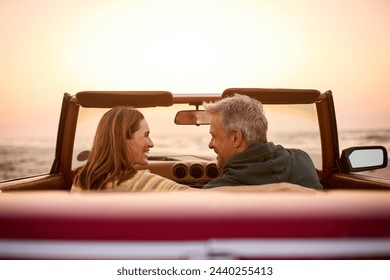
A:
(140, 144)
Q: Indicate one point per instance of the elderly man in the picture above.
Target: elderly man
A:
(238, 131)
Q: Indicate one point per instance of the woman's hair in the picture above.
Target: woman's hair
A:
(109, 160)
(243, 113)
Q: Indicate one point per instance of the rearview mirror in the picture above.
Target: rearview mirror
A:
(364, 158)
(192, 117)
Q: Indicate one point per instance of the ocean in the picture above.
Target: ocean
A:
(21, 158)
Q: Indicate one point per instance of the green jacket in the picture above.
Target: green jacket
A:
(265, 163)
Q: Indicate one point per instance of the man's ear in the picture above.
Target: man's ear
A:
(236, 136)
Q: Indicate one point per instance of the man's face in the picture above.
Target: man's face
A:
(220, 142)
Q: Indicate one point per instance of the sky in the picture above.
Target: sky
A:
(50, 47)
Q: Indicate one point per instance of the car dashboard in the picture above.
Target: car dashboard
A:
(187, 170)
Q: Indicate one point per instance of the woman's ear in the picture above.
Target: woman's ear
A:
(237, 138)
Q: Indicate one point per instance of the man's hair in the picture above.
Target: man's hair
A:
(109, 160)
(243, 113)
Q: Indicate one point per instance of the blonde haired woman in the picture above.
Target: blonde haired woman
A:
(122, 141)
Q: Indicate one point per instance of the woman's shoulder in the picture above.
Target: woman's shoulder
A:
(146, 181)
(75, 188)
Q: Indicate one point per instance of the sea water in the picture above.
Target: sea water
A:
(26, 157)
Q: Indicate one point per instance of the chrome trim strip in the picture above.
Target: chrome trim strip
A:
(215, 248)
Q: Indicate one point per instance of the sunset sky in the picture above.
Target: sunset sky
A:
(51, 47)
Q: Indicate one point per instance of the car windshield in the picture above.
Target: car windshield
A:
(293, 126)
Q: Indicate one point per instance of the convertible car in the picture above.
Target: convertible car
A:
(349, 219)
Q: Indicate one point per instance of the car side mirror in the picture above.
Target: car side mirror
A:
(192, 117)
(364, 158)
